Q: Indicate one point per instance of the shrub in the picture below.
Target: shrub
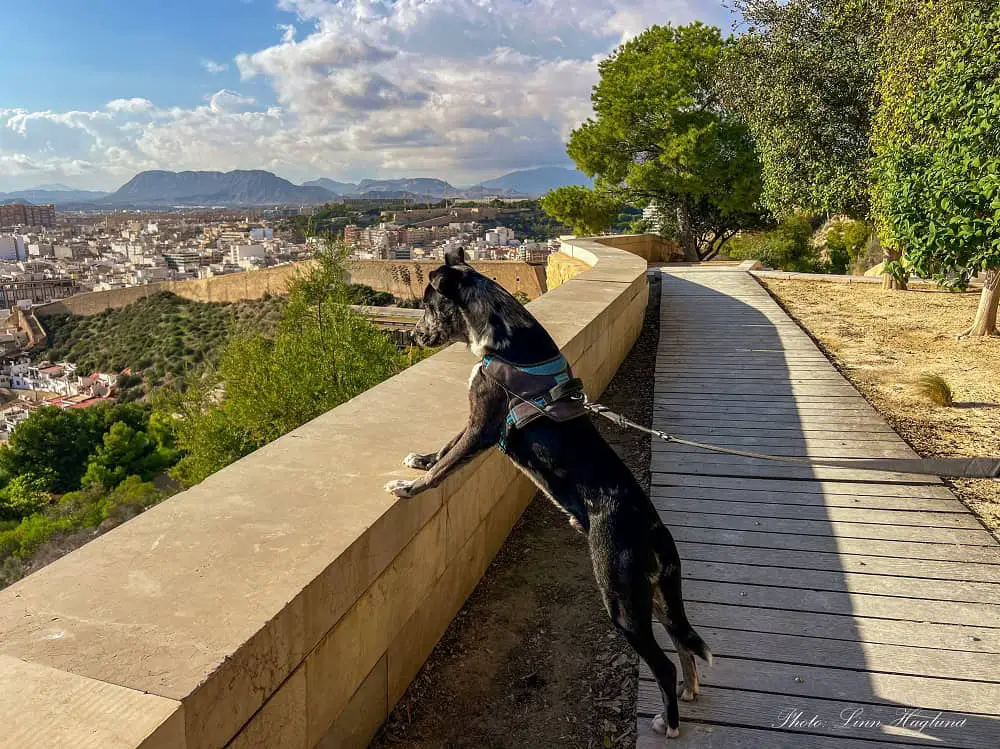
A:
(846, 246)
(787, 247)
(936, 389)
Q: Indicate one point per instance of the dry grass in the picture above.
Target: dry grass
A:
(888, 342)
(936, 389)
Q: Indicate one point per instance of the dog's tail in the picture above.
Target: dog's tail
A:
(676, 620)
(690, 639)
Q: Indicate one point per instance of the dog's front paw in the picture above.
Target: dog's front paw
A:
(420, 462)
(660, 726)
(401, 488)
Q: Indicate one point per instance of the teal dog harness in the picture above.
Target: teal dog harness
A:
(546, 389)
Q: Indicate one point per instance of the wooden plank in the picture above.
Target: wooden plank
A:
(748, 405)
(840, 562)
(802, 499)
(762, 710)
(757, 427)
(749, 468)
(975, 536)
(859, 656)
(740, 484)
(747, 435)
(793, 682)
(761, 390)
(696, 735)
(799, 450)
(839, 581)
(821, 510)
(802, 372)
(755, 423)
(847, 686)
(832, 602)
(842, 545)
(784, 438)
(851, 629)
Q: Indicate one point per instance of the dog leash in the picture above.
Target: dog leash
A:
(968, 468)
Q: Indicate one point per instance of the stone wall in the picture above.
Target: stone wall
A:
(404, 279)
(561, 267)
(287, 601)
(649, 247)
(408, 279)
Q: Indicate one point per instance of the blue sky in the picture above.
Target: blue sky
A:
(81, 54)
(462, 89)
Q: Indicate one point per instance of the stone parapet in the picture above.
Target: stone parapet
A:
(287, 600)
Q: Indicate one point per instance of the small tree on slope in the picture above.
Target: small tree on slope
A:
(942, 192)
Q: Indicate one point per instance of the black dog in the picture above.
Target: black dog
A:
(635, 560)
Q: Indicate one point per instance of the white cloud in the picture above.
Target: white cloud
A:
(214, 67)
(462, 89)
(130, 105)
(224, 101)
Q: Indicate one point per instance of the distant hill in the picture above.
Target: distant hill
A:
(535, 182)
(236, 188)
(437, 188)
(45, 195)
(337, 188)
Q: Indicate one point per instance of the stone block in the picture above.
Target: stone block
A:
(42, 708)
(367, 709)
(281, 722)
(344, 657)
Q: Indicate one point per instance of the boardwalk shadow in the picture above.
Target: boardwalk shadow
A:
(844, 608)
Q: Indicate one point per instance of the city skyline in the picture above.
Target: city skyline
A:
(349, 90)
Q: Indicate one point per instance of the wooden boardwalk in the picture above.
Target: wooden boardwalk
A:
(845, 609)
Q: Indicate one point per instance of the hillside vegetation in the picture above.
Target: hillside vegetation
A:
(164, 339)
(67, 475)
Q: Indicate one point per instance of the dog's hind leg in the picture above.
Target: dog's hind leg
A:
(690, 687)
(668, 603)
(631, 610)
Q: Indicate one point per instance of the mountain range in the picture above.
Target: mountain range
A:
(164, 189)
(51, 194)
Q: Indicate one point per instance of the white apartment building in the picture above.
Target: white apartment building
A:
(40, 249)
(499, 237)
(243, 254)
(12, 247)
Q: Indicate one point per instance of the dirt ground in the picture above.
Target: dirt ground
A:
(531, 661)
(884, 341)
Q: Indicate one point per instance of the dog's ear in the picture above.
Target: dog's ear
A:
(455, 257)
(446, 281)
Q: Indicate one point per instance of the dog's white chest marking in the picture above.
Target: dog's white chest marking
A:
(475, 371)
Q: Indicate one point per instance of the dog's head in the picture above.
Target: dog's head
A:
(443, 321)
(463, 306)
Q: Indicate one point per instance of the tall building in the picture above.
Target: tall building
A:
(182, 259)
(19, 214)
(12, 247)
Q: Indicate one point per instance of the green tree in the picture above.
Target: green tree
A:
(939, 186)
(585, 211)
(662, 135)
(55, 444)
(124, 452)
(915, 34)
(804, 77)
(24, 495)
(321, 355)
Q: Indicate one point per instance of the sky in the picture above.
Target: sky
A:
(94, 92)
